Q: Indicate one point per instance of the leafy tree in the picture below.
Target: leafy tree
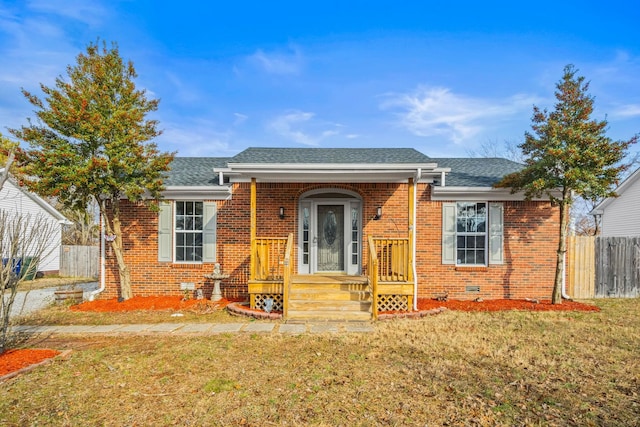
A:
(92, 142)
(568, 155)
(7, 158)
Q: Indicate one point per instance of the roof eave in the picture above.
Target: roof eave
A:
(439, 193)
(201, 192)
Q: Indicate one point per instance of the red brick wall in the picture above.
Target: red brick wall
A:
(530, 241)
(530, 245)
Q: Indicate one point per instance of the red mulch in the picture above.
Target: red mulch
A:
(505, 304)
(13, 360)
(148, 303)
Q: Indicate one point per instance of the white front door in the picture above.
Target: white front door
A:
(329, 236)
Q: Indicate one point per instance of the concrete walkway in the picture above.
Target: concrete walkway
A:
(197, 329)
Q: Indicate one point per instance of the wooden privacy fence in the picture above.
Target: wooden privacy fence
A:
(79, 261)
(581, 267)
(617, 267)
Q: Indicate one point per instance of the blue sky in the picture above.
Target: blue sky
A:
(446, 78)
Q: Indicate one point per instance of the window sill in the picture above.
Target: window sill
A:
(471, 268)
(188, 265)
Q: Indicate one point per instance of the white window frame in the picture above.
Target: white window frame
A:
(167, 232)
(493, 234)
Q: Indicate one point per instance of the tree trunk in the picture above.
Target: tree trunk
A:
(565, 203)
(125, 275)
(114, 229)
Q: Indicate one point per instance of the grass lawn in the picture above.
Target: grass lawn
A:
(456, 368)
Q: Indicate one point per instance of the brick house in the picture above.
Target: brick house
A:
(340, 233)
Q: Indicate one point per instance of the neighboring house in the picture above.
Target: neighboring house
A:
(619, 215)
(15, 199)
(303, 228)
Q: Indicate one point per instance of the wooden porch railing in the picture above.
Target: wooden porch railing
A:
(287, 273)
(394, 261)
(268, 253)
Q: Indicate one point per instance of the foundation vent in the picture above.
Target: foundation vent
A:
(473, 289)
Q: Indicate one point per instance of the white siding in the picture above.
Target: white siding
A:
(14, 200)
(621, 217)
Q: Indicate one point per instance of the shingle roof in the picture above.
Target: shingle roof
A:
(476, 172)
(330, 155)
(465, 172)
(194, 171)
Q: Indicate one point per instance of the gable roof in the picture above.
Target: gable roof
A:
(476, 172)
(39, 201)
(353, 164)
(194, 171)
(255, 155)
(624, 185)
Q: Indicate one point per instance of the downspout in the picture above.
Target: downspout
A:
(564, 278)
(415, 210)
(93, 294)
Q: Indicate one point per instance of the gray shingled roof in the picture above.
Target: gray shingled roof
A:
(476, 172)
(465, 172)
(330, 155)
(194, 171)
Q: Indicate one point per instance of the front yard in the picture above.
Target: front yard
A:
(456, 368)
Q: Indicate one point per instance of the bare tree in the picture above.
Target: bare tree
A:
(24, 240)
(509, 150)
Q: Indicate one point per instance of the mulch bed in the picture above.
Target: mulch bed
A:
(14, 360)
(505, 304)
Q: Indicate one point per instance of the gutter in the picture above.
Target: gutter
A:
(93, 294)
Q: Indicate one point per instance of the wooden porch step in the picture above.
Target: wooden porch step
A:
(329, 305)
(329, 295)
(323, 315)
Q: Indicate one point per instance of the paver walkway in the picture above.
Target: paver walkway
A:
(198, 328)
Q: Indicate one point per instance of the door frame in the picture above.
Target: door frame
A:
(310, 201)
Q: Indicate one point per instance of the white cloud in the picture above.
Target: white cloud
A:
(302, 127)
(88, 12)
(239, 119)
(431, 111)
(627, 111)
(288, 62)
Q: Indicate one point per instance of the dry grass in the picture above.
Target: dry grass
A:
(507, 368)
(61, 315)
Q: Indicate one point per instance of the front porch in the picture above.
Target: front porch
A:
(388, 284)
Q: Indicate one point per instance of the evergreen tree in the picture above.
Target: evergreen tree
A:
(92, 142)
(568, 155)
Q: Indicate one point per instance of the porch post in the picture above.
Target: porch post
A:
(412, 203)
(252, 258)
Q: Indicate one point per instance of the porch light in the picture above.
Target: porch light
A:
(281, 215)
(378, 213)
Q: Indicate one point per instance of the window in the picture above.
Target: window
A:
(187, 231)
(472, 233)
